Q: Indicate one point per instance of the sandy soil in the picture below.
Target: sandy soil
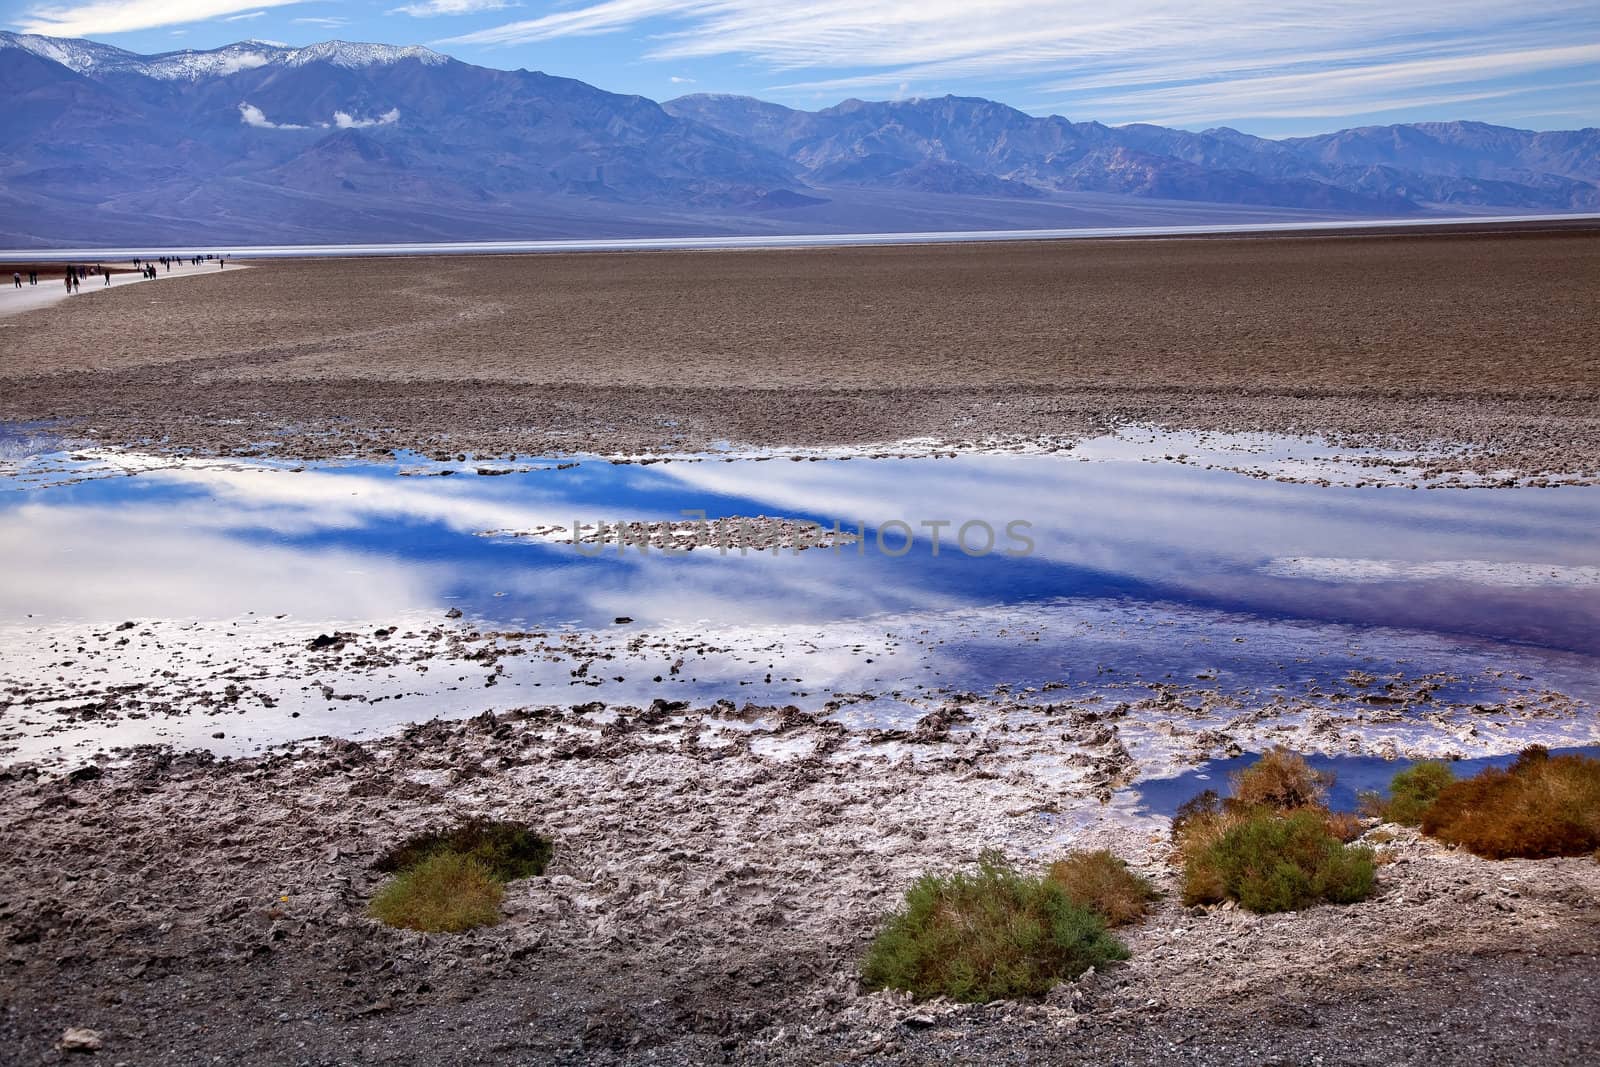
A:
(708, 903)
(1484, 340)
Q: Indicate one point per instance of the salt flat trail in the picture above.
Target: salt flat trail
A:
(14, 301)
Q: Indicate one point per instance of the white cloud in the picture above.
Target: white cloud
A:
(327, 23)
(345, 121)
(243, 17)
(431, 8)
(675, 80)
(251, 115)
(598, 18)
(121, 16)
(1135, 51)
(1325, 93)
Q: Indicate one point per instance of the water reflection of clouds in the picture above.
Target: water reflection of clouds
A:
(1131, 516)
(213, 540)
(93, 563)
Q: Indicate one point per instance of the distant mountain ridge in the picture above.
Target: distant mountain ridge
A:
(92, 58)
(1400, 168)
(262, 143)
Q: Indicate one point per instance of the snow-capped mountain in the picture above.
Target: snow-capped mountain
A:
(93, 58)
(259, 142)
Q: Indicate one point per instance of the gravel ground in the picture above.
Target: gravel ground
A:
(709, 904)
(1480, 340)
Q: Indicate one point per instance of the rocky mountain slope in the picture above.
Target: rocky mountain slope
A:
(260, 143)
(1395, 169)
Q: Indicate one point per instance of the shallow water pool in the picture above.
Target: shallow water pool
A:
(1106, 570)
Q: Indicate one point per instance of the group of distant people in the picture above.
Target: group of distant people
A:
(76, 274)
(147, 268)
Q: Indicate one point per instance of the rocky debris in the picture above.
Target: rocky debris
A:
(65, 683)
(758, 533)
(79, 1039)
(734, 880)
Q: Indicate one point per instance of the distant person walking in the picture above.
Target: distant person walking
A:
(107, 276)
(33, 277)
(16, 278)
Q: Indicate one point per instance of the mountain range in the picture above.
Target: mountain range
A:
(263, 143)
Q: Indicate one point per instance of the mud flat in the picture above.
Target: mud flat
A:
(711, 891)
(1474, 351)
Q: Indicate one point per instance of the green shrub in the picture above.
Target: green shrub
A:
(509, 850)
(989, 935)
(1411, 793)
(1103, 883)
(1270, 862)
(1541, 806)
(444, 893)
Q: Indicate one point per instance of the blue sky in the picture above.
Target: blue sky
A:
(1273, 68)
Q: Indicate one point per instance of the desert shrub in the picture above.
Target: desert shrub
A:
(444, 893)
(1203, 808)
(1411, 793)
(1542, 805)
(1271, 862)
(1272, 845)
(509, 850)
(988, 935)
(1344, 825)
(1103, 883)
(1281, 780)
(1198, 825)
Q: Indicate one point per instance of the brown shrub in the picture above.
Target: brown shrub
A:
(1541, 806)
(1280, 780)
(1103, 883)
(1345, 825)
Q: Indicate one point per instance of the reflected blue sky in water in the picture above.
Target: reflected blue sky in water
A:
(1352, 775)
(217, 541)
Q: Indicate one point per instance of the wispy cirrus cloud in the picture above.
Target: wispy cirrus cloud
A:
(244, 17)
(607, 17)
(123, 16)
(1152, 57)
(1380, 86)
(434, 8)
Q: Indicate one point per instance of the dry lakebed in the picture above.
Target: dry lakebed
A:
(758, 609)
